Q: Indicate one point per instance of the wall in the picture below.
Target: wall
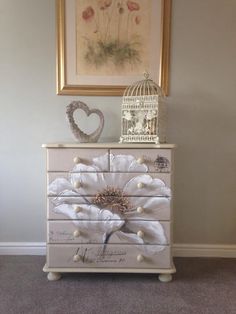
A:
(202, 115)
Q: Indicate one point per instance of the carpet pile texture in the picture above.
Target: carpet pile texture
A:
(200, 286)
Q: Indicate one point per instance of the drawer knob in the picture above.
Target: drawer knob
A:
(77, 160)
(140, 258)
(140, 210)
(140, 160)
(77, 185)
(76, 233)
(76, 258)
(77, 209)
(140, 185)
(140, 234)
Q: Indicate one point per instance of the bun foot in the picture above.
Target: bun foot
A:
(53, 276)
(165, 277)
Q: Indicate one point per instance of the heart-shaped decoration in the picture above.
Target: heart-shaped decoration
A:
(79, 134)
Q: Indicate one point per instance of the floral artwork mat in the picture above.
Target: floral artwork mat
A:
(105, 45)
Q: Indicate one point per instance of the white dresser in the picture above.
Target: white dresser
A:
(109, 208)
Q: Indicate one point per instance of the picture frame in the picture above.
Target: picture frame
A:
(79, 71)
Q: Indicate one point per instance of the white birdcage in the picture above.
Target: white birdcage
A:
(143, 115)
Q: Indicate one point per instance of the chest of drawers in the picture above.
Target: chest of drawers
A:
(109, 208)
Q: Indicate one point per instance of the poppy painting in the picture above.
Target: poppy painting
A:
(111, 37)
(105, 45)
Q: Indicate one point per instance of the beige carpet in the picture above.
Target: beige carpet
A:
(200, 286)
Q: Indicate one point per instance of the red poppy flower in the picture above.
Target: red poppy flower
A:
(132, 6)
(88, 13)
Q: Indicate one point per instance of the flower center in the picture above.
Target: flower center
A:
(112, 198)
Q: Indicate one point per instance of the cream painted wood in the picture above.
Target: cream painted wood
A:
(84, 188)
(108, 145)
(53, 276)
(160, 210)
(170, 270)
(65, 159)
(91, 232)
(165, 277)
(115, 256)
(150, 157)
(72, 248)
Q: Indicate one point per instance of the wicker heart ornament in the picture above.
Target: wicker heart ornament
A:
(77, 132)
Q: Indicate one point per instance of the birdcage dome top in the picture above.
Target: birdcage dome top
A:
(143, 88)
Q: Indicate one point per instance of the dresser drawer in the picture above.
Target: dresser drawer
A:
(114, 256)
(68, 159)
(116, 184)
(145, 208)
(109, 231)
(140, 160)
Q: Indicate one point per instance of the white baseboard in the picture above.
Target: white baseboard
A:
(179, 250)
(204, 250)
(22, 248)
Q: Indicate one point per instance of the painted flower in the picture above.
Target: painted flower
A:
(121, 10)
(112, 202)
(132, 6)
(137, 19)
(104, 4)
(88, 13)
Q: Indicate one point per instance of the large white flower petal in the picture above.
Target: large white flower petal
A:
(126, 163)
(153, 208)
(150, 250)
(65, 209)
(115, 179)
(84, 168)
(90, 182)
(69, 197)
(152, 187)
(92, 212)
(150, 202)
(122, 237)
(87, 212)
(101, 162)
(106, 214)
(153, 231)
(131, 238)
(137, 167)
(58, 186)
(103, 227)
(120, 163)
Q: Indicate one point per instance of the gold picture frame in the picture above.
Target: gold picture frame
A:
(67, 84)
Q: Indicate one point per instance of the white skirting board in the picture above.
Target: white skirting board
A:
(179, 250)
(204, 250)
(22, 248)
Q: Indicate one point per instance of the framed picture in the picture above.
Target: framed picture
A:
(105, 45)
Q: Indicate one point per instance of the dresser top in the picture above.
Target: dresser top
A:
(107, 145)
